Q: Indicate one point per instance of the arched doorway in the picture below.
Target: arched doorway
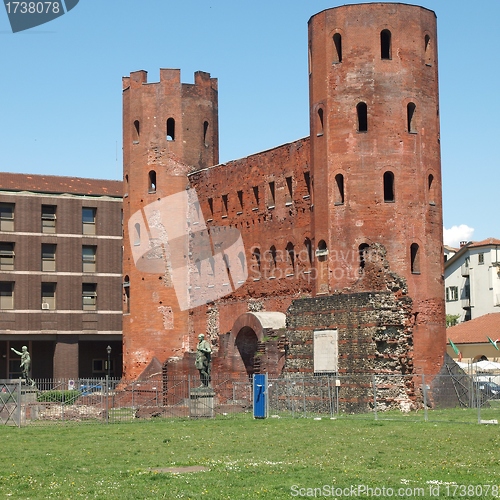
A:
(246, 344)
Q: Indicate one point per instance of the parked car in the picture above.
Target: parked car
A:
(490, 389)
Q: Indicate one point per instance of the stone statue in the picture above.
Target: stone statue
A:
(203, 360)
(25, 362)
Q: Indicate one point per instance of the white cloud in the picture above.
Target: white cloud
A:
(453, 236)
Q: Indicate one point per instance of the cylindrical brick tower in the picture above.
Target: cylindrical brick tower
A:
(375, 154)
(169, 130)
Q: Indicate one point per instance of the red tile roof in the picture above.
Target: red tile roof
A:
(487, 241)
(476, 330)
(59, 184)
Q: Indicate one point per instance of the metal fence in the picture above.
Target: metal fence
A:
(455, 397)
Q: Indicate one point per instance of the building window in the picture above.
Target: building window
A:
(224, 205)
(451, 293)
(88, 258)
(339, 189)
(319, 132)
(290, 252)
(415, 258)
(307, 179)
(389, 187)
(410, 115)
(256, 257)
(362, 250)
(48, 219)
(240, 199)
(362, 111)
(6, 295)
(432, 189)
(152, 181)
(480, 258)
(428, 51)
(272, 193)
(126, 295)
(136, 131)
(205, 133)
(7, 256)
(289, 192)
(170, 129)
(256, 195)
(309, 250)
(322, 251)
(89, 296)
(385, 44)
(48, 296)
(48, 257)
(211, 207)
(6, 216)
(337, 48)
(88, 219)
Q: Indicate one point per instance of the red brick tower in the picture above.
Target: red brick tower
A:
(169, 129)
(375, 154)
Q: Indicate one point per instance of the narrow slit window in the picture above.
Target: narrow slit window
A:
(290, 251)
(224, 205)
(385, 44)
(240, 199)
(415, 258)
(320, 122)
(308, 245)
(337, 48)
(170, 129)
(362, 111)
(272, 193)
(410, 114)
(428, 50)
(307, 179)
(211, 206)
(339, 189)
(137, 235)
(152, 182)
(136, 131)
(256, 195)
(388, 187)
(256, 257)
(289, 192)
(205, 132)
(431, 190)
(274, 257)
(126, 295)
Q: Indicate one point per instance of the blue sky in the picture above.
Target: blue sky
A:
(60, 87)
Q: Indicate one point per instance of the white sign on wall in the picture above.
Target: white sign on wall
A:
(326, 351)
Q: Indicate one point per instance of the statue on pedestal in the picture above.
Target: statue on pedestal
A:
(25, 363)
(203, 360)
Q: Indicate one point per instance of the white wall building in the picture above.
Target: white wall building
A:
(472, 280)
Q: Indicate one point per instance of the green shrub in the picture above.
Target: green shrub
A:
(66, 397)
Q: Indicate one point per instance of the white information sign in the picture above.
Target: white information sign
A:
(326, 351)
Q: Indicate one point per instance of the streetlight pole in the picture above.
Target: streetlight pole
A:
(108, 350)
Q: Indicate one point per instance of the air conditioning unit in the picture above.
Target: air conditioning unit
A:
(45, 306)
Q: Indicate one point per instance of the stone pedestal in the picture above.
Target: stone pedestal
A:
(201, 402)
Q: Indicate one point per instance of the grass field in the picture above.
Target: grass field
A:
(243, 458)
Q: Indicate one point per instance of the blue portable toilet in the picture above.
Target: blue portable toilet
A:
(260, 396)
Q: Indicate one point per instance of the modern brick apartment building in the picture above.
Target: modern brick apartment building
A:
(342, 230)
(60, 275)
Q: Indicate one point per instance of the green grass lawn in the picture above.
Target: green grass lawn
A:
(249, 459)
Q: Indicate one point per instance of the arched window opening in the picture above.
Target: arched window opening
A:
(197, 263)
(337, 48)
(243, 262)
(389, 187)
(362, 249)
(339, 191)
(362, 111)
(290, 251)
(170, 129)
(136, 129)
(415, 259)
(152, 181)
(322, 251)
(274, 255)
(411, 121)
(431, 190)
(126, 294)
(308, 245)
(428, 50)
(320, 122)
(137, 235)
(385, 44)
(205, 131)
(256, 257)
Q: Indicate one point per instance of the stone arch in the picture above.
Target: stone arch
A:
(248, 330)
